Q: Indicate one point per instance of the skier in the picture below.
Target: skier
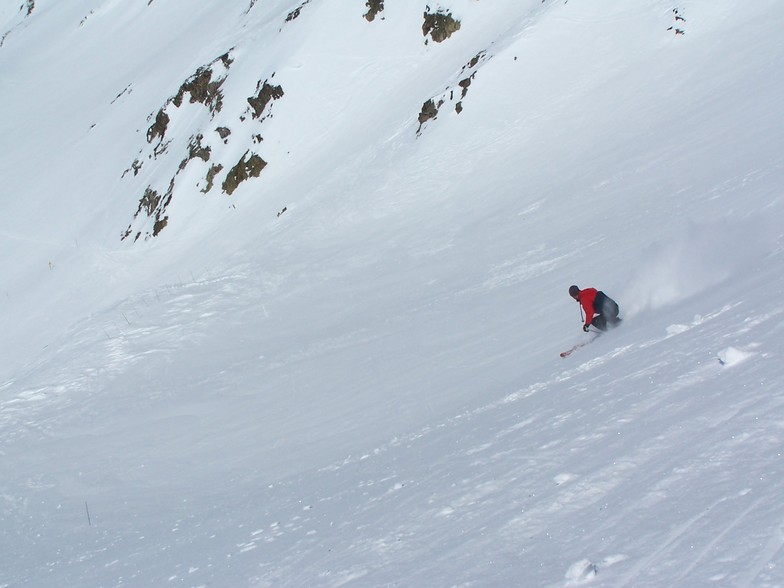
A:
(601, 311)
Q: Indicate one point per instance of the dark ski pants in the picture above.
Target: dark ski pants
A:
(606, 310)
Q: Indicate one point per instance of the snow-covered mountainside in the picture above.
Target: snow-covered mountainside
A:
(285, 285)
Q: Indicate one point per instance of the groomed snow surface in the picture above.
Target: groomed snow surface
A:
(347, 372)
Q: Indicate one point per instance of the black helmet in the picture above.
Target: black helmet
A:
(574, 291)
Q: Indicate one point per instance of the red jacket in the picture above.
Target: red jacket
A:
(586, 298)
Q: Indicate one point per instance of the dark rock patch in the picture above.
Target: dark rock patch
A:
(247, 167)
(439, 25)
(374, 8)
(265, 94)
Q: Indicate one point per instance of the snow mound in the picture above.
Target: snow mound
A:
(733, 356)
(581, 572)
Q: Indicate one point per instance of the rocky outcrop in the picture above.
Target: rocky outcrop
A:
(249, 166)
(439, 25)
(374, 8)
(265, 94)
(297, 11)
(454, 94)
(205, 147)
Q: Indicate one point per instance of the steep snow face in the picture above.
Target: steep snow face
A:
(285, 285)
(103, 79)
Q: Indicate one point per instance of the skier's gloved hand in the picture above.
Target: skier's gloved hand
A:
(586, 327)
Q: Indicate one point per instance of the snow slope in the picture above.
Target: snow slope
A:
(346, 371)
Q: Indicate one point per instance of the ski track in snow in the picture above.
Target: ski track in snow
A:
(471, 500)
(596, 487)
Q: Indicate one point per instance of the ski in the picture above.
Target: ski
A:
(568, 352)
